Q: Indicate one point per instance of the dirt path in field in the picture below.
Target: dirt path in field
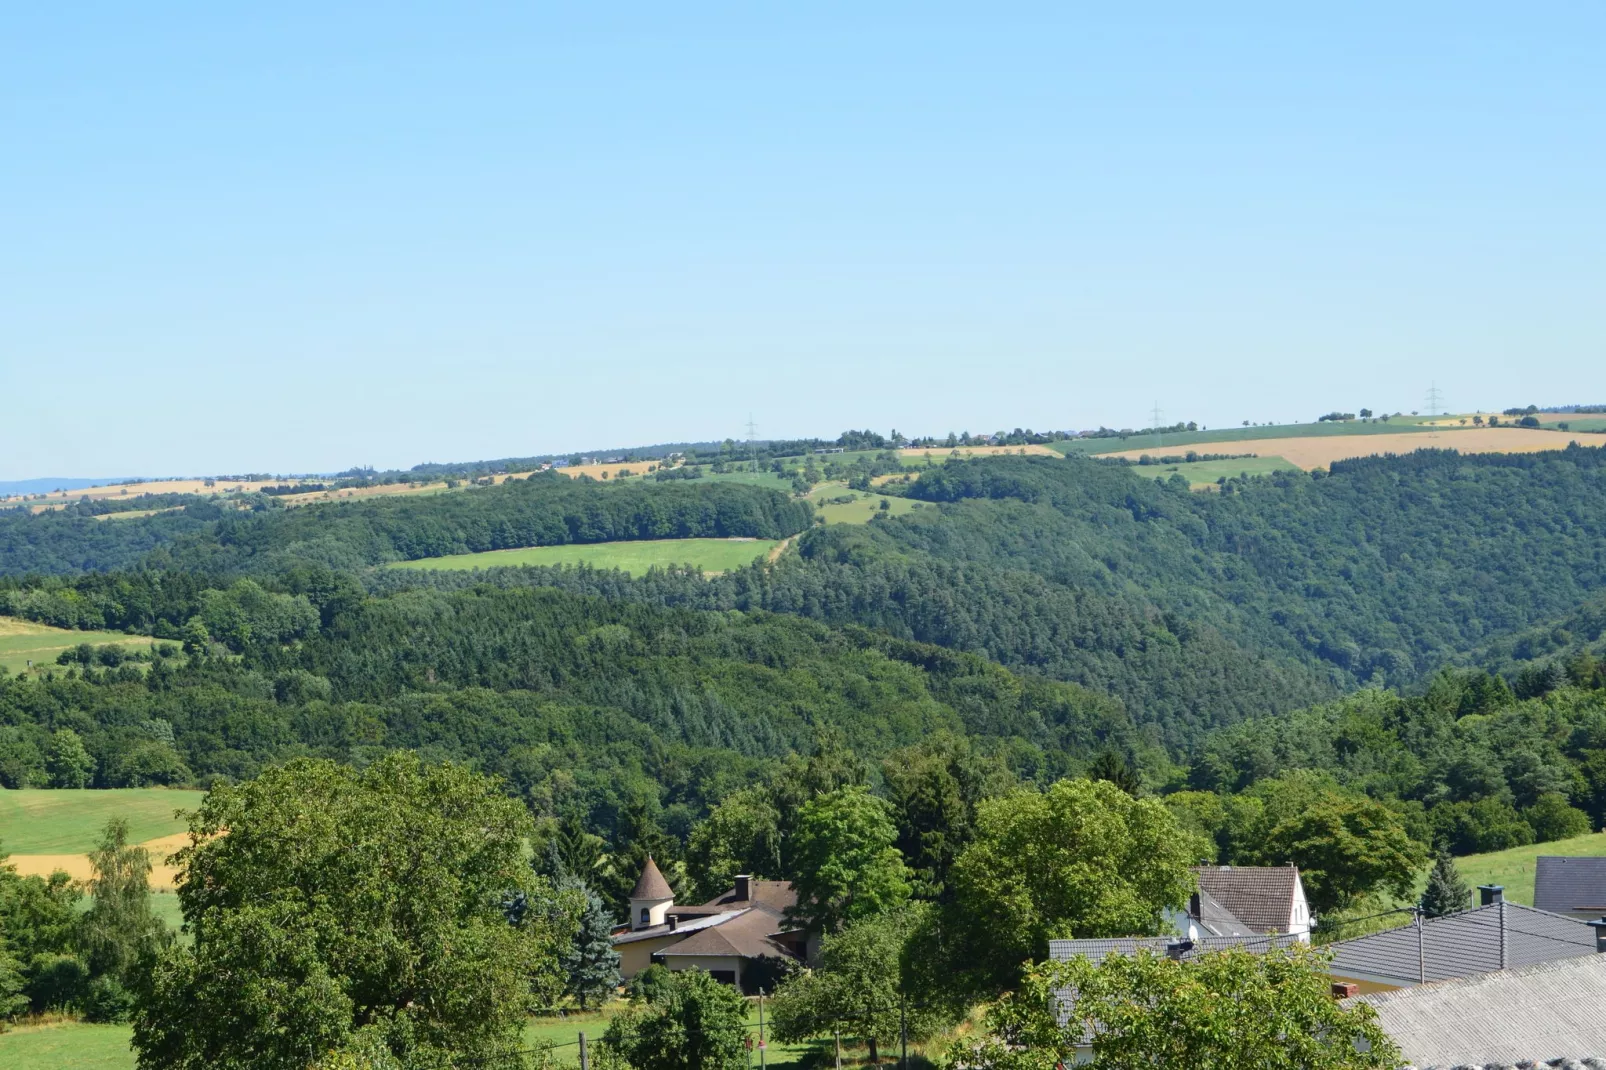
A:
(778, 549)
(1319, 452)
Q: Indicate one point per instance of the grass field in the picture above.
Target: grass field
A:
(1146, 443)
(859, 511)
(1202, 474)
(1514, 868)
(22, 641)
(945, 453)
(67, 1046)
(49, 821)
(635, 557)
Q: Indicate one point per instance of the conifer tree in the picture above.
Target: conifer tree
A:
(591, 963)
(1447, 891)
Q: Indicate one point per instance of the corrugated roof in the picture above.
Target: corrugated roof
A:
(1262, 897)
(1542, 1012)
(652, 885)
(1564, 884)
(1460, 945)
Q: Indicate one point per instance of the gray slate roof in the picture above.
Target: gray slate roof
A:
(1540, 1012)
(1262, 897)
(1565, 884)
(1217, 920)
(1460, 945)
(1096, 950)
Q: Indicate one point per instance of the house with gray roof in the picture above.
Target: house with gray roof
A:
(1545, 1014)
(1572, 886)
(1498, 935)
(729, 936)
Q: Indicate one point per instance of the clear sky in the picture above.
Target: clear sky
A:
(302, 236)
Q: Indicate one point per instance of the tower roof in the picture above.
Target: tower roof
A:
(652, 884)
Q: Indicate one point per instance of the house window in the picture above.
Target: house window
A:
(724, 977)
(646, 915)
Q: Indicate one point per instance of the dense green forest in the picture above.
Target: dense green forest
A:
(545, 510)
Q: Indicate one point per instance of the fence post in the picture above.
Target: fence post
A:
(585, 1062)
(762, 1054)
(839, 1049)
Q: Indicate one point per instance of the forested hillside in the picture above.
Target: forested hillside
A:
(545, 510)
(584, 705)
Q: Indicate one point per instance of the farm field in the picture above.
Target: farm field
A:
(944, 453)
(1201, 474)
(634, 557)
(624, 469)
(1100, 446)
(60, 821)
(1321, 451)
(22, 641)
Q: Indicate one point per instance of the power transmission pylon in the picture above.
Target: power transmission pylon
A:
(1435, 400)
(752, 447)
(1159, 436)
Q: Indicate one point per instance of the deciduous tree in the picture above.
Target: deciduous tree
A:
(846, 866)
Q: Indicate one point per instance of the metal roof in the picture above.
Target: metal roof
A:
(1537, 1013)
(1564, 884)
(693, 926)
(1494, 937)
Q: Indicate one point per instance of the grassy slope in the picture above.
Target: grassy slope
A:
(1515, 868)
(46, 821)
(23, 641)
(634, 557)
(861, 509)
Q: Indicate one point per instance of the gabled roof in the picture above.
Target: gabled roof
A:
(775, 896)
(1217, 920)
(1548, 1011)
(1564, 884)
(746, 936)
(1096, 950)
(1464, 944)
(1262, 897)
(652, 884)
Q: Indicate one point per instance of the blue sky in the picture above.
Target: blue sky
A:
(318, 235)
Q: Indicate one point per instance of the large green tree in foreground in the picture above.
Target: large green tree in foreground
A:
(1082, 859)
(342, 914)
(1229, 1010)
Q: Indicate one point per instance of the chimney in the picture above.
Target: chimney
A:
(1194, 906)
(744, 885)
(1177, 948)
(1600, 935)
(674, 922)
(1490, 894)
(1345, 989)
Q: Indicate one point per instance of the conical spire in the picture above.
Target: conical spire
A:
(652, 884)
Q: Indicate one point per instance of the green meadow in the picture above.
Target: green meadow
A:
(634, 557)
(64, 1045)
(1205, 473)
(863, 507)
(22, 641)
(50, 821)
(1514, 868)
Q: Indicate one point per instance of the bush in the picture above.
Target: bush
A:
(107, 1001)
(698, 1024)
(1553, 818)
(1466, 828)
(650, 985)
(56, 982)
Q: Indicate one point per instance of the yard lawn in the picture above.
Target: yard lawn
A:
(634, 557)
(22, 641)
(565, 1031)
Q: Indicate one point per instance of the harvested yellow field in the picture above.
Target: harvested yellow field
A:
(163, 876)
(155, 486)
(1319, 452)
(942, 453)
